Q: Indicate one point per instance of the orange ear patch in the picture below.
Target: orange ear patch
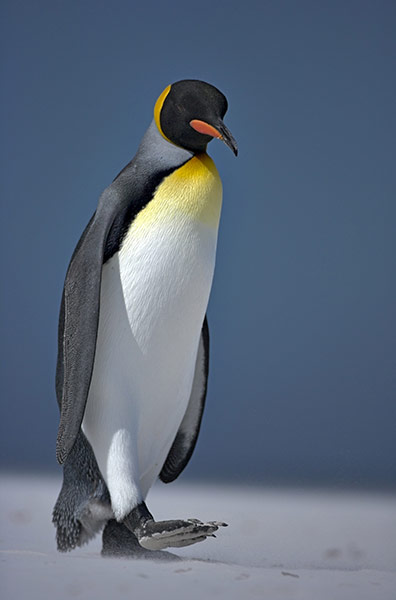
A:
(205, 128)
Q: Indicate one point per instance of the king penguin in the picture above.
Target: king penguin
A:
(133, 350)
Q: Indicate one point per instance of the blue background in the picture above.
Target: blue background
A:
(302, 312)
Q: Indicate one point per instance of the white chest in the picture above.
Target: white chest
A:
(166, 275)
(167, 259)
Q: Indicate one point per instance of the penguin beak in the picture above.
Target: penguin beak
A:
(219, 131)
(227, 137)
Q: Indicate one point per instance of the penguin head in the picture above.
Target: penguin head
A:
(190, 113)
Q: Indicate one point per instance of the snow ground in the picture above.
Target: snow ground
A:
(281, 544)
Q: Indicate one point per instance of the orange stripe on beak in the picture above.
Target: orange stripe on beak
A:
(205, 128)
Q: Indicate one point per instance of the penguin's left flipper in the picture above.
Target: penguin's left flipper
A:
(78, 320)
(157, 535)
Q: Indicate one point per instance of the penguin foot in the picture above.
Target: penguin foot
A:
(119, 542)
(156, 535)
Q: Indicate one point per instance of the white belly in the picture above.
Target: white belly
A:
(153, 301)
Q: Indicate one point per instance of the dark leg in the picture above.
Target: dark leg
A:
(118, 541)
(83, 505)
(157, 535)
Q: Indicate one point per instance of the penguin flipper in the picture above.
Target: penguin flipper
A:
(78, 324)
(187, 435)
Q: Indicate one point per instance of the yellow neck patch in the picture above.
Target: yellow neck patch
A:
(193, 193)
(157, 111)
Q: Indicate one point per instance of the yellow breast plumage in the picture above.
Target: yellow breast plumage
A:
(193, 191)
